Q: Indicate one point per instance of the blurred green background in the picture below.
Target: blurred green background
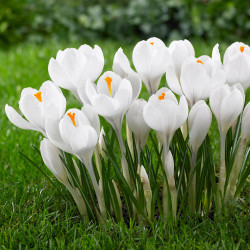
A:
(126, 20)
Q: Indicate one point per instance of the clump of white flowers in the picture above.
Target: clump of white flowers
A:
(166, 163)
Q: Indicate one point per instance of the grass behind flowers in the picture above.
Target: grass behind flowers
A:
(33, 214)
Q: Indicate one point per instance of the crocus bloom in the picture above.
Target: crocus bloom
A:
(199, 121)
(199, 76)
(151, 59)
(72, 68)
(227, 103)
(111, 97)
(75, 133)
(37, 106)
(164, 114)
(137, 124)
(236, 63)
(180, 51)
(121, 66)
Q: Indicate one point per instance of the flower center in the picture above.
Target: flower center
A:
(242, 48)
(108, 81)
(72, 117)
(199, 61)
(162, 96)
(38, 96)
(152, 43)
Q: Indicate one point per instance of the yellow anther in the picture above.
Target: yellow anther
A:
(162, 96)
(199, 61)
(38, 96)
(242, 48)
(72, 117)
(108, 81)
(152, 43)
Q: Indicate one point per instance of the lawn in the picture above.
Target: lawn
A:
(33, 214)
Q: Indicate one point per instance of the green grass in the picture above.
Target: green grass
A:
(33, 214)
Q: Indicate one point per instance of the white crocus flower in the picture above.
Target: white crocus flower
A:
(199, 121)
(164, 114)
(137, 124)
(111, 99)
(121, 66)
(51, 157)
(151, 59)
(77, 133)
(180, 51)
(73, 67)
(199, 76)
(226, 103)
(37, 106)
(236, 63)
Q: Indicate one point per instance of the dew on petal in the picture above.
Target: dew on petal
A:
(38, 96)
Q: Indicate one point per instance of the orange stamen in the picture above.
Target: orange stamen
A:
(199, 61)
(162, 96)
(108, 81)
(152, 43)
(242, 48)
(38, 96)
(72, 117)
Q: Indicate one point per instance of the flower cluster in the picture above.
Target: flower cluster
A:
(179, 167)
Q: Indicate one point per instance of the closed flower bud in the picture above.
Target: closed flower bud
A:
(227, 103)
(237, 64)
(102, 144)
(137, 123)
(180, 51)
(199, 121)
(51, 158)
(151, 59)
(245, 127)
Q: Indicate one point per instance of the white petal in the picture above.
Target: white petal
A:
(172, 80)
(53, 133)
(231, 107)
(31, 109)
(18, 121)
(124, 94)
(92, 117)
(105, 106)
(59, 76)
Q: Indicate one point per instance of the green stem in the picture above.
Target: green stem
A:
(79, 201)
(222, 173)
(192, 187)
